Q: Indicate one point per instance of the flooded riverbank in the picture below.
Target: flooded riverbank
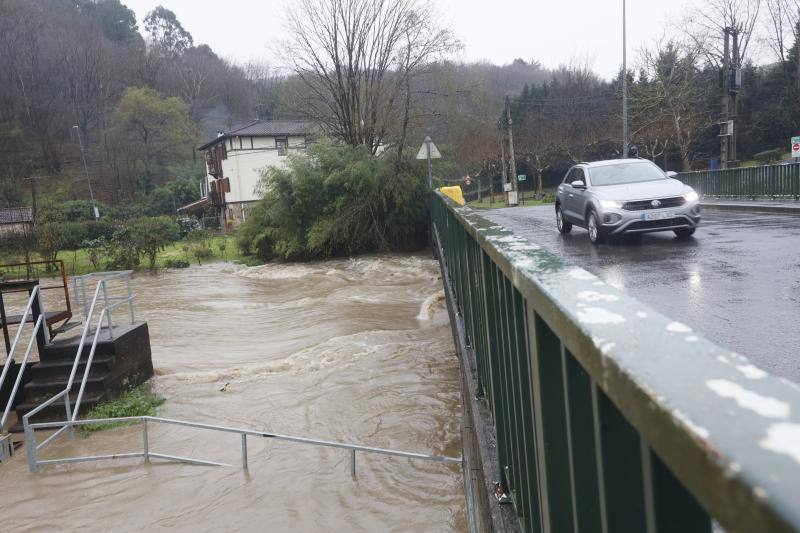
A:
(351, 350)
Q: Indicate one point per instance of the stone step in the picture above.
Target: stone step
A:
(56, 411)
(66, 351)
(41, 390)
(101, 365)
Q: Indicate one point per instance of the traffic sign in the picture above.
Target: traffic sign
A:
(522, 177)
(795, 146)
(423, 151)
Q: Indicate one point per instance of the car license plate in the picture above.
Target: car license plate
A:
(658, 216)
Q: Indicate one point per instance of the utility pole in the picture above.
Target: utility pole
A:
(86, 169)
(733, 94)
(502, 166)
(624, 85)
(32, 180)
(513, 199)
(723, 125)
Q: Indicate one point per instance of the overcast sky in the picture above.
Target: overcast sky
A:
(552, 32)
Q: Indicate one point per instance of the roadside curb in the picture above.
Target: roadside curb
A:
(762, 208)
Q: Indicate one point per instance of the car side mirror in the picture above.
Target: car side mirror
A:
(671, 173)
(578, 184)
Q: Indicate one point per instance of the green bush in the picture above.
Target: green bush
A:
(51, 238)
(151, 234)
(338, 200)
(198, 245)
(120, 250)
(136, 402)
(14, 244)
(769, 156)
(75, 233)
(97, 229)
(176, 263)
(94, 249)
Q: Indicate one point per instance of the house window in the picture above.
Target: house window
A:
(282, 145)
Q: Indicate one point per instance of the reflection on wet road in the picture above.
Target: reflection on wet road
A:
(737, 281)
(351, 350)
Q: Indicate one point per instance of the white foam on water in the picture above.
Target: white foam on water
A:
(428, 307)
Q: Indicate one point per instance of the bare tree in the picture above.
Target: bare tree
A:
(705, 26)
(780, 25)
(672, 97)
(266, 85)
(357, 59)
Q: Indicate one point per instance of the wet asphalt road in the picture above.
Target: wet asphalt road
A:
(737, 281)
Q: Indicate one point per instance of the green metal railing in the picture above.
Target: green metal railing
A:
(769, 180)
(609, 416)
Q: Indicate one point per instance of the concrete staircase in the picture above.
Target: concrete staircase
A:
(119, 364)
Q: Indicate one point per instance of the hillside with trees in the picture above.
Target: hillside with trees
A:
(141, 99)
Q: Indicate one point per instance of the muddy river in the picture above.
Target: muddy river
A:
(352, 350)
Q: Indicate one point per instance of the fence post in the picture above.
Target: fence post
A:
(130, 299)
(146, 440)
(244, 451)
(107, 310)
(68, 409)
(30, 444)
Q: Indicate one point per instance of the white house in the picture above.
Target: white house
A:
(236, 158)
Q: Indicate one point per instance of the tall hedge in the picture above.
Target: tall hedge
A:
(338, 200)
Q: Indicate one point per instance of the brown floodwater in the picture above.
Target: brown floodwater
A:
(355, 350)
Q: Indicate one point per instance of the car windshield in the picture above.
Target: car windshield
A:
(622, 173)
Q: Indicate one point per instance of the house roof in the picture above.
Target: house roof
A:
(266, 128)
(16, 215)
(198, 205)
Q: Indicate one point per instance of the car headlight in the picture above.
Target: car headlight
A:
(610, 204)
(691, 196)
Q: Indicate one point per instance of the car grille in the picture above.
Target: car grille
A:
(652, 224)
(642, 205)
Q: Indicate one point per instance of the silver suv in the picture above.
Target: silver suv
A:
(625, 196)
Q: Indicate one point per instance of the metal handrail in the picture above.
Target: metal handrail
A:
(105, 313)
(36, 294)
(22, 322)
(89, 360)
(147, 453)
(79, 286)
(18, 380)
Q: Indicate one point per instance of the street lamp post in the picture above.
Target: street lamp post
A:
(624, 86)
(430, 165)
(86, 170)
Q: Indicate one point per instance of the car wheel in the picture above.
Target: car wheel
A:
(563, 226)
(596, 234)
(683, 233)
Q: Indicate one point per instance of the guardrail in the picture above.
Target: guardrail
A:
(34, 299)
(40, 270)
(609, 416)
(776, 181)
(79, 289)
(34, 462)
(89, 311)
